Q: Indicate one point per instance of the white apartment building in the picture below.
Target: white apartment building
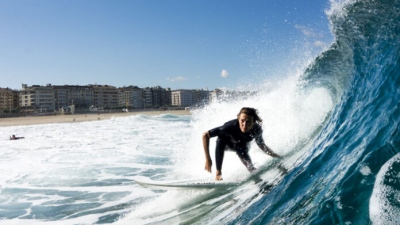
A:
(189, 98)
(105, 96)
(40, 98)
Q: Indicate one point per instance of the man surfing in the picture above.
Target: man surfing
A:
(236, 135)
(13, 137)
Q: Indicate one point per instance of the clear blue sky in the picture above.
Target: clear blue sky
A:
(169, 43)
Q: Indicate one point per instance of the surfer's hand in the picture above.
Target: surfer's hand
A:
(276, 155)
(273, 154)
(208, 165)
(269, 151)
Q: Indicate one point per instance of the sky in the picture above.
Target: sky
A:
(177, 44)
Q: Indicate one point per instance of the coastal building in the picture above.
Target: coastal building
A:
(136, 98)
(148, 97)
(105, 96)
(155, 97)
(181, 98)
(62, 98)
(82, 97)
(51, 98)
(202, 97)
(39, 98)
(161, 97)
(9, 100)
(131, 97)
(189, 98)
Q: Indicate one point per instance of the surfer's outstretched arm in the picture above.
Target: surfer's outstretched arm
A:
(269, 151)
(206, 146)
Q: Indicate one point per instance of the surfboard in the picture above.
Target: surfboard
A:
(275, 163)
(185, 184)
(206, 184)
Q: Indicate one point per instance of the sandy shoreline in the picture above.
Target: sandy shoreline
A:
(31, 120)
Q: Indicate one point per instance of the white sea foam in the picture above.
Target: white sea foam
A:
(384, 202)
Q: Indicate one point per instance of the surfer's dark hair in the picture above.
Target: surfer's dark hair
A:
(251, 112)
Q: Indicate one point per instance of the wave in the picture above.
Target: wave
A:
(361, 71)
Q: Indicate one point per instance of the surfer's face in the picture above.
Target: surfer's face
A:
(246, 122)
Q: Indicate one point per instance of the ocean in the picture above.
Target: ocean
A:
(336, 122)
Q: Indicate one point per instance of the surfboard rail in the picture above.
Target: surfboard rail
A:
(185, 184)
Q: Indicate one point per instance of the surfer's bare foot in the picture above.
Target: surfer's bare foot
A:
(218, 176)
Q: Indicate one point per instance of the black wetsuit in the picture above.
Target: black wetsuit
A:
(231, 137)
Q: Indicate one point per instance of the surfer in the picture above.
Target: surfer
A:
(13, 137)
(236, 135)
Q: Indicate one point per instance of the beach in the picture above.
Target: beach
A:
(74, 118)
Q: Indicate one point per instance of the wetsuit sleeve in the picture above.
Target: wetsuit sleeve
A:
(259, 138)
